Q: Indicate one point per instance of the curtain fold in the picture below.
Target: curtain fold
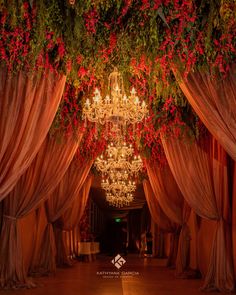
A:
(57, 203)
(203, 180)
(71, 217)
(214, 100)
(28, 105)
(69, 220)
(172, 203)
(34, 186)
(163, 222)
(156, 211)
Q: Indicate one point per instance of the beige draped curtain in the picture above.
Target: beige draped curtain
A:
(28, 104)
(69, 220)
(163, 222)
(172, 203)
(57, 203)
(214, 100)
(203, 180)
(156, 211)
(34, 186)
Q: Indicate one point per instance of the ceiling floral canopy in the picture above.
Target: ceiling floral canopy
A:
(144, 39)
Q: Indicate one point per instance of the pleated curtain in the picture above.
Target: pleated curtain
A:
(60, 199)
(172, 203)
(163, 222)
(214, 101)
(34, 186)
(28, 104)
(68, 222)
(202, 177)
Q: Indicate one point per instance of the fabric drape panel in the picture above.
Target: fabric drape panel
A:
(43, 175)
(156, 211)
(73, 214)
(69, 220)
(202, 178)
(172, 203)
(28, 105)
(163, 222)
(57, 203)
(214, 100)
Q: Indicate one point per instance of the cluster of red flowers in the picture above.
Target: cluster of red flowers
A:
(91, 18)
(15, 42)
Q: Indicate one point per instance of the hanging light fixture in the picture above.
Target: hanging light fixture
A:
(119, 200)
(118, 187)
(119, 157)
(116, 107)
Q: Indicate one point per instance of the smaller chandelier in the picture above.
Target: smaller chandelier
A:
(119, 158)
(119, 150)
(116, 107)
(119, 201)
(118, 188)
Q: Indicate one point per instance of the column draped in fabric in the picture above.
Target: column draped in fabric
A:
(57, 203)
(172, 203)
(163, 222)
(202, 178)
(43, 175)
(28, 105)
(214, 100)
(69, 220)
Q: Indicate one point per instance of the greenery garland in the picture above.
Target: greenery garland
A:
(144, 38)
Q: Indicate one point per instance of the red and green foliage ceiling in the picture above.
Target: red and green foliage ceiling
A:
(143, 38)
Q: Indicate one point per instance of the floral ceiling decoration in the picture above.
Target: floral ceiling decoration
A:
(145, 39)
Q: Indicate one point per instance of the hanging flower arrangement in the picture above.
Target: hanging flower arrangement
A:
(145, 39)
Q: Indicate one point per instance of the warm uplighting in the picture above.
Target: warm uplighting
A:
(116, 107)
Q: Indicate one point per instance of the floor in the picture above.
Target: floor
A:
(137, 276)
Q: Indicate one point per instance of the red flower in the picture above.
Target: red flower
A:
(69, 65)
(26, 5)
(79, 59)
(82, 72)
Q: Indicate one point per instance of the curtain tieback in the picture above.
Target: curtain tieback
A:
(10, 217)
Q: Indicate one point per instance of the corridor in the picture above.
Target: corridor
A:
(138, 276)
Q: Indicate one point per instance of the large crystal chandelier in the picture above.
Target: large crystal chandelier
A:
(116, 107)
(119, 157)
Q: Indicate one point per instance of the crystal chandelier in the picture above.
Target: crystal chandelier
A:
(119, 158)
(119, 201)
(116, 107)
(118, 188)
